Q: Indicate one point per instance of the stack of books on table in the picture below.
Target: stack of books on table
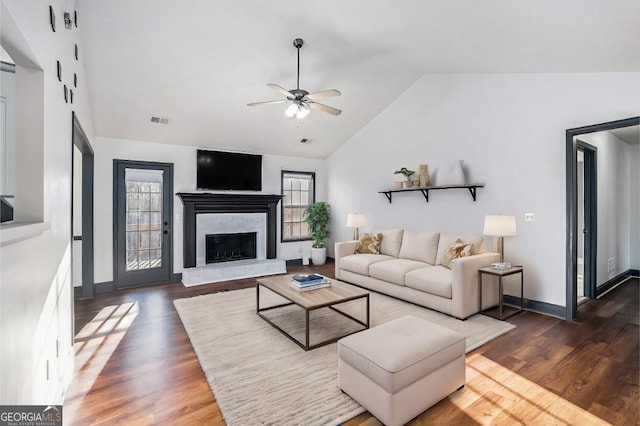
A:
(309, 282)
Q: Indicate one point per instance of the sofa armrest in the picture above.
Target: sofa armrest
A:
(464, 284)
(342, 249)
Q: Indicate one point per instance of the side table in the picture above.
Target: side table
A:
(504, 312)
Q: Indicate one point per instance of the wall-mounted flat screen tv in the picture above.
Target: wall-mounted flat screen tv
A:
(220, 170)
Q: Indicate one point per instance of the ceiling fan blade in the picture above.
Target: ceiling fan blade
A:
(325, 108)
(324, 94)
(281, 90)
(266, 102)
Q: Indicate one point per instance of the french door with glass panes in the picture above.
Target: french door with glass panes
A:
(143, 194)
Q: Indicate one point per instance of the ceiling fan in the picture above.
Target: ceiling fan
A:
(301, 100)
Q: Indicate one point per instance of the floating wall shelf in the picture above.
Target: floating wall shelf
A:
(425, 190)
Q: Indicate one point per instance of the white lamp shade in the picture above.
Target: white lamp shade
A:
(500, 225)
(297, 110)
(356, 220)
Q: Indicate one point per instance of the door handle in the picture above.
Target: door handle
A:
(584, 231)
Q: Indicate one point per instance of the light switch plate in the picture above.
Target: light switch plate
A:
(529, 217)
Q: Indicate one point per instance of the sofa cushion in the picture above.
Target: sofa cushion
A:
(391, 240)
(394, 270)
(433, 279)
(456, 250)
(447, 239)
(359, 263)
(420, 246)
(369, 243)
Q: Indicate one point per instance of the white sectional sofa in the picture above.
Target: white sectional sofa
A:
(410, 267)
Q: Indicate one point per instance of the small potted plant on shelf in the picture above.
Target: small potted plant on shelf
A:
(406, 173)
(317, 216)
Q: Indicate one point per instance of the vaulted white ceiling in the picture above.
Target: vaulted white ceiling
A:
(199, 62)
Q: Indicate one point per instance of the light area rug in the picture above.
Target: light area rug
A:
(260, 377)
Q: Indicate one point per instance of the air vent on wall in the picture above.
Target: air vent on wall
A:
(160, 120)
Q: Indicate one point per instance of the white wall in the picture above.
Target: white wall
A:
(510, 131)
(634, 205)
(184, 175)
(625, 218)
(35, 278)
(7, 132)
(616, 190)
(629, 215)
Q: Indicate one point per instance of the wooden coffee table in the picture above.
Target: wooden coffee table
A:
(327, 297)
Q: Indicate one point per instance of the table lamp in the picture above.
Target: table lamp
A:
(500, 226)
(355, 221)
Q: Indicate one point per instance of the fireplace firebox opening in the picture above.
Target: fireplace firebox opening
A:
(230, 247)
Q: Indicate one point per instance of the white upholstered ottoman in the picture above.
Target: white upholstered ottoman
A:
(400, 368)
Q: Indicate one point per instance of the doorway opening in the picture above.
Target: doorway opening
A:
(588, 227)
(82, 212)
(581, 235)
(587, 200)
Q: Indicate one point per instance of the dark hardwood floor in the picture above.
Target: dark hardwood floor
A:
(135, 365)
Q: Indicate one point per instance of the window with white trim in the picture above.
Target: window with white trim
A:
(298, 190)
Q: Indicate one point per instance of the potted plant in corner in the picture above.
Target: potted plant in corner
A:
(318, 219)
(407, 173)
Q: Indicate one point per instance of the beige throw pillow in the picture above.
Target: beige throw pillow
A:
(447, 239)
(456, 250)
(369, 243)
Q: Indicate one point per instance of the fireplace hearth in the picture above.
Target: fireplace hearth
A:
(230, 247)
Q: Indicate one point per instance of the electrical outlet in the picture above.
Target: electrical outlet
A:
(529, 217)
(611, 264)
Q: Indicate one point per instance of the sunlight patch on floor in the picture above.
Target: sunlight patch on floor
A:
(94, 345)
(496, 395)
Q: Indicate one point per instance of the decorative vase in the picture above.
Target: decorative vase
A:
(450, 174)
(398, 184)
(457, 173)
(424, 175)
(406, 184)
(318, 255)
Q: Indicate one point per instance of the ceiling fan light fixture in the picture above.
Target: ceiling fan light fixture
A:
(302, 101)
(297, 110)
